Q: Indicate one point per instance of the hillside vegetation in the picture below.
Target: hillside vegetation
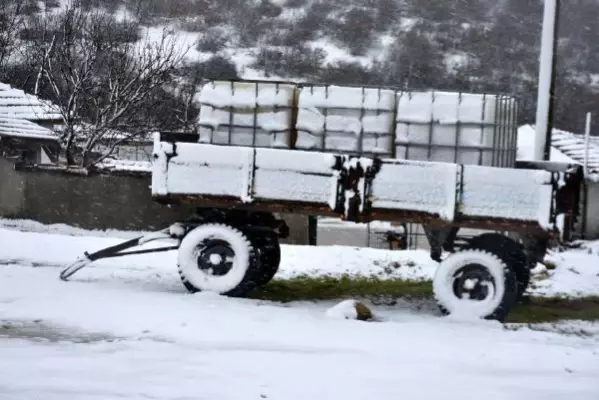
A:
(466, 45)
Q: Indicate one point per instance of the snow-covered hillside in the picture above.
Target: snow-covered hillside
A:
(462, 45)
(469, 45)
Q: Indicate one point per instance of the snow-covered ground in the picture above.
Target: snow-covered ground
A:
(126, 329)
(29, 243)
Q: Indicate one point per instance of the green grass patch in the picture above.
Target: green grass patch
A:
(311, 288)
(331, 288)
(549, 265)
(539, 309)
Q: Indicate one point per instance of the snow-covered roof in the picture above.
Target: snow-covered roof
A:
(82, 128)
(573, 145)
(565, 147)
(125, 165)
(22, 128)
(15, 103)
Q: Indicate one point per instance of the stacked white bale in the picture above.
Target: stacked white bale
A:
(465, 128)
(346, 119)
(258, 114)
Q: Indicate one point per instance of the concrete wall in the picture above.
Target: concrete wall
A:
(12, 189)
(98, 201)
(592, 214)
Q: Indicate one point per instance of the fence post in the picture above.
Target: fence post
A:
(312, 230)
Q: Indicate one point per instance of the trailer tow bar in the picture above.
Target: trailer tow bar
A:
(175, 231)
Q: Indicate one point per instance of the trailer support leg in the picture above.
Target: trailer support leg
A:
(175, 231)
(440, 239)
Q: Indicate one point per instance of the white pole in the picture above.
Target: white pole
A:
(545, 76)
(587, 141)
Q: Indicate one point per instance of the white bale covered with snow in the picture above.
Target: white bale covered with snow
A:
(466, 128)
(346, 119)
(258, 114)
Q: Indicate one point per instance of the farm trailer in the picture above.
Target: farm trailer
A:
(230, 242)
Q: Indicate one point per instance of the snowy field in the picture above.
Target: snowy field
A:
(126, 329)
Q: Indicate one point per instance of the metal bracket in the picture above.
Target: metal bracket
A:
(356, 182)
(175, 231)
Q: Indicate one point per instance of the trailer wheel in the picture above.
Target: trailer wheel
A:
(217, 258)
(510, 252)
(475, 283)
(269, 250)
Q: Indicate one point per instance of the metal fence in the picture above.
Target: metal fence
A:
(374, 235)
(404, 237)
(377, 235)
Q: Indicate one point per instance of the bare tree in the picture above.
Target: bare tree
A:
(102, 78)
(186, 91)
(10, 24)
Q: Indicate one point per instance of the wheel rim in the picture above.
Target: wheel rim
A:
(215, 257)
(473, 282)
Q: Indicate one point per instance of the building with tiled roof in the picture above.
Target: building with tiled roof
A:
(22, 128)
(570, 147)
(27, 126)
(16, 104)
(27, 141)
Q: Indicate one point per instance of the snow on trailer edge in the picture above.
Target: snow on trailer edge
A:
(295, 176)
(516, 194)
(416, 186)
(245, 173)
(301, 176)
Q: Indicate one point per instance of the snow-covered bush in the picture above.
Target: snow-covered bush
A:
(268, 9)
(298, 61)
(216, 67)
(295, 3)
(212, 41)
(355, 30)
(347, 72)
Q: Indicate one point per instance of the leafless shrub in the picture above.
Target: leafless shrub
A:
(356, 29)
(297, 61)
(349, 73)
(295, 3)
(193, 24)
(212, 41)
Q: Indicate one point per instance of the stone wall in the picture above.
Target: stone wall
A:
(98, 201)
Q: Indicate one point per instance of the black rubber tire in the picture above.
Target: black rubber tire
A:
(269, 254)
(511, 252)
(238, 281)
(501, 303)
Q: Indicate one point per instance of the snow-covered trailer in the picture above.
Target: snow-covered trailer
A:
(230, 243)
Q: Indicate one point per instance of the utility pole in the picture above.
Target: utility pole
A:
(547, 74)
(587, 141)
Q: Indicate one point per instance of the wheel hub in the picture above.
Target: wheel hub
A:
(473, 282)
(215, 257)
